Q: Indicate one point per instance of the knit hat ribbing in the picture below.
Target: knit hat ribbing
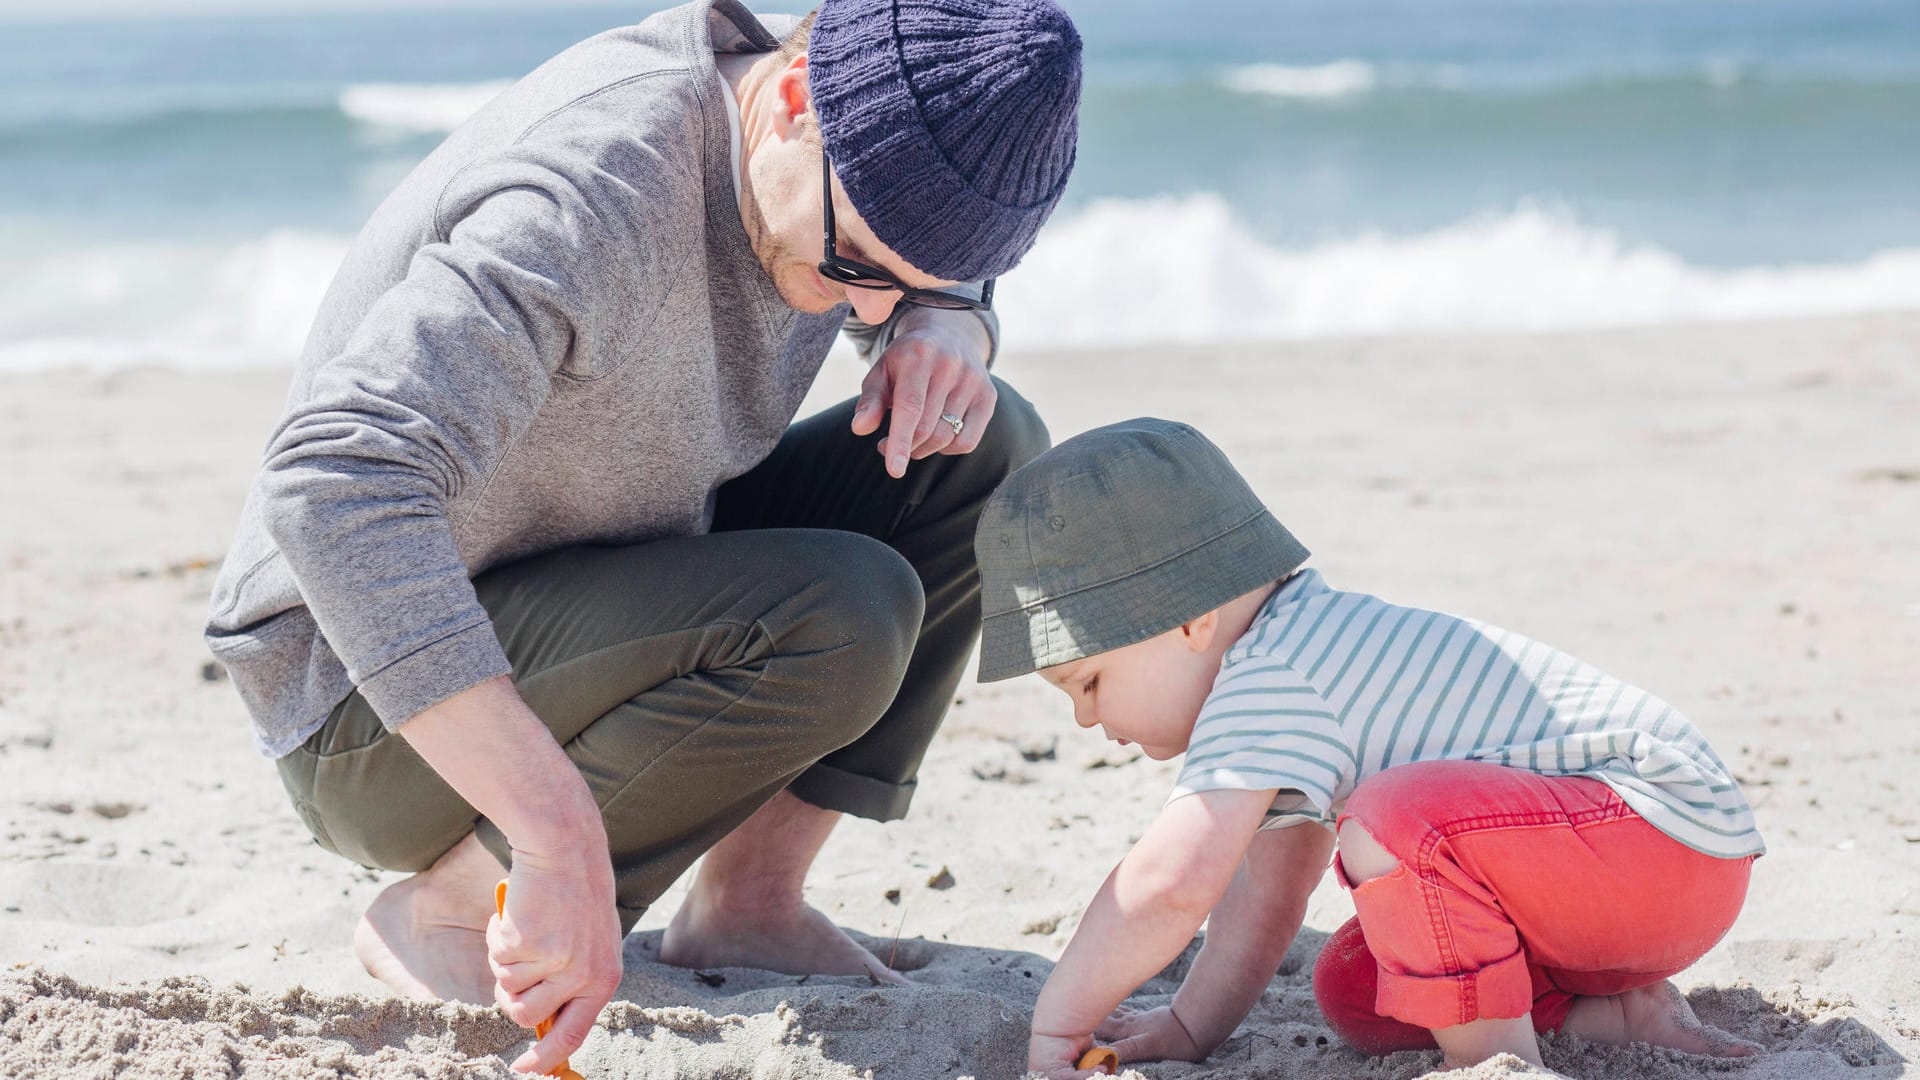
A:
(950, 123)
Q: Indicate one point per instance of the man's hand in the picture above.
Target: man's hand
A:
(935, 366)
(549, 962)
(557, 949)
(1150, 1035)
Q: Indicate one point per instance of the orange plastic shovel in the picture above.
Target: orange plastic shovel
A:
(540, 1029)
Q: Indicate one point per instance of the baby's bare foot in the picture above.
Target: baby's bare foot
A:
(1658, 1015)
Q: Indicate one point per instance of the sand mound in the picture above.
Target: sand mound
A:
(53, 1026)
(774, 1027)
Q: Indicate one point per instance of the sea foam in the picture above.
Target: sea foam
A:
(1115, 273)
(1185, 270)
(430, 107)
(1317, 82)
(176, 305)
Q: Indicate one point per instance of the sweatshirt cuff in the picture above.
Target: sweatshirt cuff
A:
(428, 676)
(886, 330)
(992, 323)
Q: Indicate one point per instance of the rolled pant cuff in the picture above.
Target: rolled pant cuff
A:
(850, 793)
(1500, 990)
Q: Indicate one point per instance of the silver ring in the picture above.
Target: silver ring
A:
(954, 421)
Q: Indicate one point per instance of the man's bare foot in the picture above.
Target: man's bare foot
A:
(746, 907)
(1658, 1015)
(786, 936)
(426, 937)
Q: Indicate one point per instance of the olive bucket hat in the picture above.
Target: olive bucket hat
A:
(1114, 536)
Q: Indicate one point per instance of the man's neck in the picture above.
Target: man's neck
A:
(735, 67)
(746, 76)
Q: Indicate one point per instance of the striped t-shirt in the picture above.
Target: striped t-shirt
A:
(1328, 688)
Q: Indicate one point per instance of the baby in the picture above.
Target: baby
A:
(1531, 845)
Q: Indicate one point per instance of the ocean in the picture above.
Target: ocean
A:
(178, 191)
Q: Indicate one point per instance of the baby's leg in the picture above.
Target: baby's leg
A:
(1454, 864)
(1346, 976)
(1345, 982)
(1363, 859)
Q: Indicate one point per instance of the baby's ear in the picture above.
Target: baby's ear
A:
(1198, 632)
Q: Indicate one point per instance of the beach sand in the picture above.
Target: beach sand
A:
(1727, 515)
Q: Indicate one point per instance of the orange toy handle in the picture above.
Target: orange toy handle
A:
(1104, 1058)
(540, 1029)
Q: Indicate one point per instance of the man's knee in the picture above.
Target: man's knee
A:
(862, 618)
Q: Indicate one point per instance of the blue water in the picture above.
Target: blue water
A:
(1665, 156)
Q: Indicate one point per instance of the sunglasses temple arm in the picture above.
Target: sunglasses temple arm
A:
(826, 198)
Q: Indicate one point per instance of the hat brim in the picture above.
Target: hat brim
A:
(1146, 602)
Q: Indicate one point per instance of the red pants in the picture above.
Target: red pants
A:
(1515, 893)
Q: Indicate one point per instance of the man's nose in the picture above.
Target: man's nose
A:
(874, 306)
(1083, 716)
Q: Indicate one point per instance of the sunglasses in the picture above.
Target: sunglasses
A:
(859, 275)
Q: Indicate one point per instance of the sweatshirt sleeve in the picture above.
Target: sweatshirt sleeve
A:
(871, 341)
(446, 371)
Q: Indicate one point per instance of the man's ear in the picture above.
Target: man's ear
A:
(1198, 633)
(792, 96)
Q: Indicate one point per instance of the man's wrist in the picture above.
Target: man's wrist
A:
(559, 828)
(964, 331)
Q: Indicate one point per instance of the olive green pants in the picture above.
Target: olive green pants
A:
(812, 642)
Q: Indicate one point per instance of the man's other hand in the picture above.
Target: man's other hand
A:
(935, 367)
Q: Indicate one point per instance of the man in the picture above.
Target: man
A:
(541, 429)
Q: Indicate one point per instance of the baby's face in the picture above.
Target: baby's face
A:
(1148, 693)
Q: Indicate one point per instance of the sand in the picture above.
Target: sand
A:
(1728, 515)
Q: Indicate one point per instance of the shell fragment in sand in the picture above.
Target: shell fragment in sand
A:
(1103, 1058)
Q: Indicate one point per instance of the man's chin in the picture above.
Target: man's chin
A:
(801, 292)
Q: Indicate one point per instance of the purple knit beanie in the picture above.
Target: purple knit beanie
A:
(951, 123)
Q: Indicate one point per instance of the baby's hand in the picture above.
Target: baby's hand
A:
(1153, 1035)
(1053, 1056)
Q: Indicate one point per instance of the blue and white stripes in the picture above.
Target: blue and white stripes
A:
(1328, 688)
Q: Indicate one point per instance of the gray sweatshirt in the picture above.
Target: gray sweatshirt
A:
(553, 332)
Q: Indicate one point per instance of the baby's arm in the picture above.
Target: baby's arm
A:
(1247, 937)
(1146, 912)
